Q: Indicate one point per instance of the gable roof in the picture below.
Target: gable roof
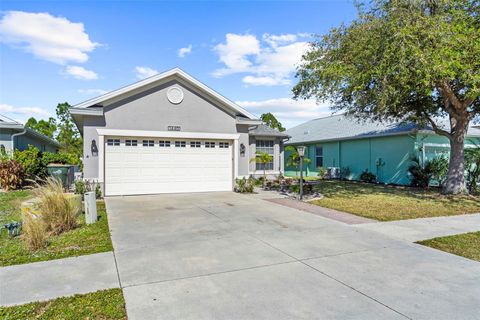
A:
(266, 131)
(77, 109)
(341, 127)
(8, 123)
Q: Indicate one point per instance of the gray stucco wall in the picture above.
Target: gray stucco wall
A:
(151, 110)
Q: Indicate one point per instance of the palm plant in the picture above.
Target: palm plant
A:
(293, 160)
(262, 158)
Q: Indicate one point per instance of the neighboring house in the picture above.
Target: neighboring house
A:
(15, 136)
(170, 133)
(385, 150)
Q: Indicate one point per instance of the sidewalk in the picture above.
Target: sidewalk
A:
(426, 228)
(46, 280)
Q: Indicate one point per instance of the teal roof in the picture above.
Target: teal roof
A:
(342, 127)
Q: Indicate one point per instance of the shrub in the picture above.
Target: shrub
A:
(422, 175)
(34, 232)
(59, 212)
(295, 188)
(307, 188)
(82, 186)
(98, 191)
(322, 172)
(438, 168)
(472, 166)
(367, 176)
(30, 159)
(244, 185)
(345, 173)
(12, 174)
(63, 158)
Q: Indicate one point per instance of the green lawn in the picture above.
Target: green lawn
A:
(387, 203)
(466, 245)
(104, 305)
(86, 239)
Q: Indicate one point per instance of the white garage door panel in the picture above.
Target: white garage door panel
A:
(150, 170)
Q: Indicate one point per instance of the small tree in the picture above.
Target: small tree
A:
(68, 134)
(263, 158)
(46, 127)
(293, 160)
(270, 120)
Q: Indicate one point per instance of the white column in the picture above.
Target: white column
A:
(235, 158)
(101, 157)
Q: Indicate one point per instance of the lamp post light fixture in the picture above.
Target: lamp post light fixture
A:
(301, 154)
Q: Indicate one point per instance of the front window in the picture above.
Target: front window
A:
(319, 156)
(113, 142)
(180, 144)
(265, 146)
(131, 143)
(164, 143)
(148, 143)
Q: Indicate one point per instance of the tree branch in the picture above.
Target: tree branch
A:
(451, 96)
(436, 129)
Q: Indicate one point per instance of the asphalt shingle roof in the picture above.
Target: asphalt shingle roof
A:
(264, 130)
(339, 127)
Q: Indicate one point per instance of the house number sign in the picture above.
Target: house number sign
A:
(174, 128)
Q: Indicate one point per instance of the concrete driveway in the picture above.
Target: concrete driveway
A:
(232, 256)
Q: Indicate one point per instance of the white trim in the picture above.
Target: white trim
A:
(253, 122)
(177, 72)
(87, 111)
(167, 134)
(446, 145)
(101, 162)
(236, 156)
(267, 172)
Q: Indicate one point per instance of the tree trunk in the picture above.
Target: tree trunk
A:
(455, 182)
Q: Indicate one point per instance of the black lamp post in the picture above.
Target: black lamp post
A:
(301, 154)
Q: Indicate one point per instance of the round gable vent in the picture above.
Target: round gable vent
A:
(175, 95)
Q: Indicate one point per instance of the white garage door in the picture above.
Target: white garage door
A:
(154, 165)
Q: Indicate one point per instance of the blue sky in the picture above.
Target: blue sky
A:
(56, 51)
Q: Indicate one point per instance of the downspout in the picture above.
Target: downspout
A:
(16, 135)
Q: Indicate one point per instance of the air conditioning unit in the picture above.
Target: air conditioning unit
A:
(333, 173)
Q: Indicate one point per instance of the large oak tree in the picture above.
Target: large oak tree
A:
(407, 60)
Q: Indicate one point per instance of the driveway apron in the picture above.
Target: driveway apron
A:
(232, 256)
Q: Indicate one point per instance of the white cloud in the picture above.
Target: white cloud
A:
(27, 111)
(264, 81)
(92, 92)
(81, 73)
(288, 111)
(145, 72)
(269, 62)
(275, 40)
(47, 37)
(235, 52)
(182, 52)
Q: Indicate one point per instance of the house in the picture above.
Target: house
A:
(171, 133)
(15, 136)
(384, 149)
